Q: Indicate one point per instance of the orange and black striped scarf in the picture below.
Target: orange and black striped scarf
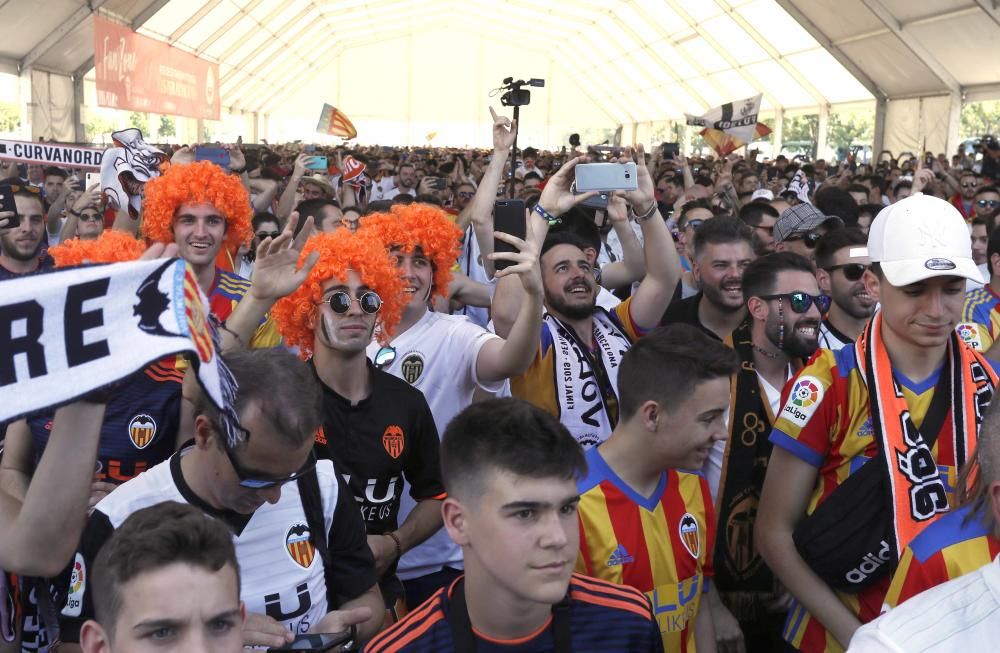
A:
(918, 493)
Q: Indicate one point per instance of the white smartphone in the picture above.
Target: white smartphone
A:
(92, 178)
(606, 176)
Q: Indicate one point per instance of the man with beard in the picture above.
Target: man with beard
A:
(760, 216)
(839, 272)
(785, 307)
(19, 245)
(987, 204)
(965, 199)
(574, 371)
(722, 250)
(981, 229)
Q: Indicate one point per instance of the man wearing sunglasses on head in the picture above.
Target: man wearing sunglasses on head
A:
(840, 268)
(800, 227)
(265, 225)
(305, 565)
(784, 306)
(870, 438)
(377, 428)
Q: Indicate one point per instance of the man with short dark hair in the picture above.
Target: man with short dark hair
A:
(326, 214)
(511, 471)
(403, 183)
(722, 251)
(265, 225)
(859, 193)
(784, 307)
(304, 558)
(987, 205)
(167, 580)
(760, 216)
(55, 179)
(841, 264)
(19, 246)
(674, 387)
(579, 339)
(965, 198)
(980, 229)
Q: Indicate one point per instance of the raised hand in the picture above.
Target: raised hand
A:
(504, 132)
(276, 272)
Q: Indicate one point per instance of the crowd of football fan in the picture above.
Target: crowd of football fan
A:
(743, 407)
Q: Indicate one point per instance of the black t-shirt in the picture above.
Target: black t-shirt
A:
(375, 444)
(685, 311)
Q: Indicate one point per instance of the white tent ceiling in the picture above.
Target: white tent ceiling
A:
(639, 60)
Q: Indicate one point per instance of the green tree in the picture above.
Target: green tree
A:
(10, 117)
(168, 127)
(140, 121)
(980, 118)
(855, 128)
(98, 129)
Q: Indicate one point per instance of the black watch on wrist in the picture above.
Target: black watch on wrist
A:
(238, 171)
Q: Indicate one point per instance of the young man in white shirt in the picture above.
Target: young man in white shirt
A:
(447, 356)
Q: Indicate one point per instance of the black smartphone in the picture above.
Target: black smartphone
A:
(599, 201)
(439, 183)
(671, 150)
(7, 203)
(508, 217)
(319, 642)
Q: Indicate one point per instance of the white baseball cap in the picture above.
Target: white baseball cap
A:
(921, 237)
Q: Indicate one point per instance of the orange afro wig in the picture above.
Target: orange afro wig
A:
(339, 252)
(110, 247)
(420, 225)
(201, 182)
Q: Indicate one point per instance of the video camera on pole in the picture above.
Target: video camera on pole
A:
(517, 97)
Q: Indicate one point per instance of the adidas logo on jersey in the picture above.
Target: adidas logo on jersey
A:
(620, 557)
(869, 564)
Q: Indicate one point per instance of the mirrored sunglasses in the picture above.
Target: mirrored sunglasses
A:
(800, 301)
(340, 302)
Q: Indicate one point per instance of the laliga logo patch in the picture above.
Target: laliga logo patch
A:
(393, 441)
(298, 545)
(939, 264)
(803, 400)
(969, 333)
(141, 430)
(688, 529)
(77, 586)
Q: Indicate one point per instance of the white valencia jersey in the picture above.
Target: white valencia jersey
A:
(437, 355)
(281, 573)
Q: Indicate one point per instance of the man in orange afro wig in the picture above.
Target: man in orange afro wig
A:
(448, 356)
(201, 208)
(375, 424)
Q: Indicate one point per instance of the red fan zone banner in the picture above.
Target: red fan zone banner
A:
(138, 73)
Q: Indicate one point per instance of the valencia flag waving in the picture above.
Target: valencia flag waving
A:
(333, 121)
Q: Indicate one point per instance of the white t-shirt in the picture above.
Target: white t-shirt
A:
(960, 615)
(386, 190)
(712, 468)
(984, 269)
(437, 356)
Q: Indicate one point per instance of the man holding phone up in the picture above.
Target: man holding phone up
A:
(22, 227)
(581, 345)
